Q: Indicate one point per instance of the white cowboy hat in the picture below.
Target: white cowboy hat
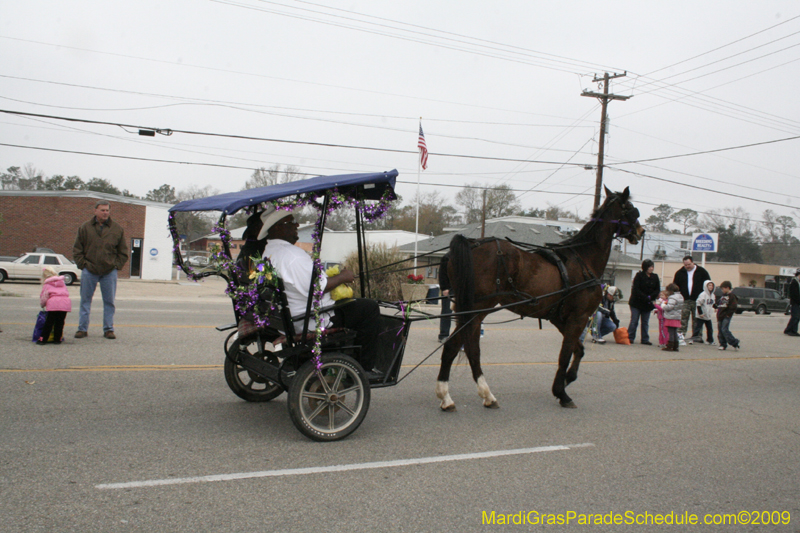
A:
(270, 217)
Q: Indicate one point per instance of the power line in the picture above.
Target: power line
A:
(701, 188)
(506, 47)
(572, 193)
(724, 45)
(710, 151)
(252, 74)
(267, 139)
(381, 31)
(190, 100)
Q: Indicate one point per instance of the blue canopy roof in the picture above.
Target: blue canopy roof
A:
(373, 186)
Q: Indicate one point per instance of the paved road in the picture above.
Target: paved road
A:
(699, 432)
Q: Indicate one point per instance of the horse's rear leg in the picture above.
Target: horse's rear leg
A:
(472, 347)
(449, 353)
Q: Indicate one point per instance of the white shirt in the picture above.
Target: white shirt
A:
(691, 279)
(295, 266)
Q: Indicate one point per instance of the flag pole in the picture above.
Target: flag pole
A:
(416, 224)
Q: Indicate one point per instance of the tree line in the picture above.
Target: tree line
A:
(435, 212)
(770, 240)
(742, 239)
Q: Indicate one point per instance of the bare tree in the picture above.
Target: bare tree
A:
(342, 219)
(768, 228)
(32, 178)
(195, 224)
(263, 177)
(434, 215)
(500, 201)
(733, 219)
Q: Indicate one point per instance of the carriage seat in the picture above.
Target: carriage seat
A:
(281, 323)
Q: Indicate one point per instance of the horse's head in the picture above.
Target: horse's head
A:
(619, 210)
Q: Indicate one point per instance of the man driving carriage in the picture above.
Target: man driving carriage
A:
(295, 268)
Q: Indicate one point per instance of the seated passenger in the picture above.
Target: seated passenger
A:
(295, 268)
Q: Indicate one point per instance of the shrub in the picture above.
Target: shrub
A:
(383, 284)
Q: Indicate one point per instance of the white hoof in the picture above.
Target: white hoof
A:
(442, 392)
(483, 391)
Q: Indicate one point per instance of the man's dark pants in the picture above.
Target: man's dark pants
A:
(444, 321)
(361, 315)
(791, 327)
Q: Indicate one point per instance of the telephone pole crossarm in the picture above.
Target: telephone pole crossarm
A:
(606, 96)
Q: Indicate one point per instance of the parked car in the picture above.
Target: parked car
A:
(29, 266)
(762, 301)
(198, 261)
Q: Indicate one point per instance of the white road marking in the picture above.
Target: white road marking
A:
(340, 468)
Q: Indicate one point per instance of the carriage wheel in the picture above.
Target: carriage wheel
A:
(245, 384)
(331, 403)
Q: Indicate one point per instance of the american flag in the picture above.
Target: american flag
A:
(423, 149)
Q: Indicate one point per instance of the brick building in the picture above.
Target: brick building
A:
(50, 219)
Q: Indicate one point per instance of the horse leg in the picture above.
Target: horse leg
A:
(560, 381)
(472, 337)
(449, 353)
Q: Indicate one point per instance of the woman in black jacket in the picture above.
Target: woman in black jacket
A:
(644, 292)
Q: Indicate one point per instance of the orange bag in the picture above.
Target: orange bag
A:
(621, 336)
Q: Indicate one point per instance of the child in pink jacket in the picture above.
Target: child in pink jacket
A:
(55, 299)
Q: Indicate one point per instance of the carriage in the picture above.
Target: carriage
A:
(328, 390)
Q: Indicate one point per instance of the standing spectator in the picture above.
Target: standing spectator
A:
(794, 301)
(55, 299)
(99, 251)
(705, 313)
(726, 307)
(690, 280)
(644, 292)
(672, 316)
(663, 332)
(444, 287)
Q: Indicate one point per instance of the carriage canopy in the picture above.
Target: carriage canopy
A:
(372, 185)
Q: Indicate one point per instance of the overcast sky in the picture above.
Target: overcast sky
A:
(500, 82)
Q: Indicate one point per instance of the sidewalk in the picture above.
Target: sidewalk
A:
(131, 289)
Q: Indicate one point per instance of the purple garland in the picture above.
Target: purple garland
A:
(246, 296)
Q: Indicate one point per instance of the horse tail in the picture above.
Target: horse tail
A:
(463, 282)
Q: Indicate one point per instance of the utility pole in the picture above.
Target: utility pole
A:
(604, 97)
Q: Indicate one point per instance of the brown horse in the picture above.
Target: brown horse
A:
(492, 272)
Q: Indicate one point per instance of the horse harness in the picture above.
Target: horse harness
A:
(553, 257)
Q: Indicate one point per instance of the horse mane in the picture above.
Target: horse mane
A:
(580, 237)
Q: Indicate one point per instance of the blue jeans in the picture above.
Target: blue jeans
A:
(108, 288)
(725, 335)
(791, 327)
(644, 316)
(603, 325)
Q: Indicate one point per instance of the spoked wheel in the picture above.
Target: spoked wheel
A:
(330, 403)
(245, 384)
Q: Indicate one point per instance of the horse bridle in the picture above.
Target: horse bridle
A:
(626, 224)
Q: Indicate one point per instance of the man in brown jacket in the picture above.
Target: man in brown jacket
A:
(99, 251)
